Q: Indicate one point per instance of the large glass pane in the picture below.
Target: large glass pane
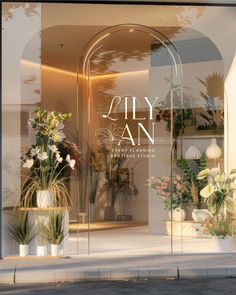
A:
(128, 71)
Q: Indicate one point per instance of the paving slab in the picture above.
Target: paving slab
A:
(118, 268)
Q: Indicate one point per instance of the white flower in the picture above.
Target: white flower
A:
(70, 161)
(34, 151)
(221, 178)
(53, 148)
(203, 174)
(214, 172)
(29, 163)
(60, 126)
(59, 158)
(42, 156)
(207, 191)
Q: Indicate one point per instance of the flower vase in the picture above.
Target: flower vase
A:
(55, 249)
(24, 250)
(42, 250)
(221, 245)
(201, 215)
(213, 151)
(45, 199)
(178, 214)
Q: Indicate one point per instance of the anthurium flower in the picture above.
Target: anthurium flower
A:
(221, 177)
(42, 156)
(207, 191)
(203, 174)
(53, 148)
(29, 163)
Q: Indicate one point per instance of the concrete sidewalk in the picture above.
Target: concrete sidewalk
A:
(117, 268)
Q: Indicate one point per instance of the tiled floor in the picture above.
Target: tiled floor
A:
(135, 240)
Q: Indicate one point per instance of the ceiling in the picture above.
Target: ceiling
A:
(61, 46)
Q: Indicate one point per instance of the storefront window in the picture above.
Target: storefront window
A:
(147, 97)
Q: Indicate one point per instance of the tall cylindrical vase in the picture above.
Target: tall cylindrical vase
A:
(45, 199)
(24, 250)
(55, 249)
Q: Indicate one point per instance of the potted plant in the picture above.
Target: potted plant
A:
(53, 231)
(218, 193)
(175, 193)
(221, 230)
(190, 169)
(45, 163)
(22, 233)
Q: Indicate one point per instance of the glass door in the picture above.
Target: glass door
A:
(129, 76)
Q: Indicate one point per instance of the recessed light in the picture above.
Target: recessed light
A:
(131, 30)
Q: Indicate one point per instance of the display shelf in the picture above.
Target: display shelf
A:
(202, 136)
(11, 208)
(175, 159)
(186, 228)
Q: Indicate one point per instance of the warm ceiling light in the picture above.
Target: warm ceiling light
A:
(131, 30)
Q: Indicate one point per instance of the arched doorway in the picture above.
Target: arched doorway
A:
(124, 73)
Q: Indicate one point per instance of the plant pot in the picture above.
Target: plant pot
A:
(45, 199)
(178, 214)
(109, 213)
(55, 249)
(24, 250)
(201, 215)
(221, 245)
(42, 250)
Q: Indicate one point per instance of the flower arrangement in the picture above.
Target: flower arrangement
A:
(46, 160)
(164, 185)
(218, 193)
(218, 227)
(48, 126)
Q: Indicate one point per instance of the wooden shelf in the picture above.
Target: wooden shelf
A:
(35, 209)
(218, 136)
(221, 158)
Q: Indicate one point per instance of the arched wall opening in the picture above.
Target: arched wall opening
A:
(59, 81)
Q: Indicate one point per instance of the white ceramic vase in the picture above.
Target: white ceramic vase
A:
(24, 250)
(221, 245)
(45, 199)
(178, 214)
(55, 249)
(42, 250)
(192, 153)
(213, 151)
(200, 215)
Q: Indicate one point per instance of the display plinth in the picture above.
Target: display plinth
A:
(186, 228)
